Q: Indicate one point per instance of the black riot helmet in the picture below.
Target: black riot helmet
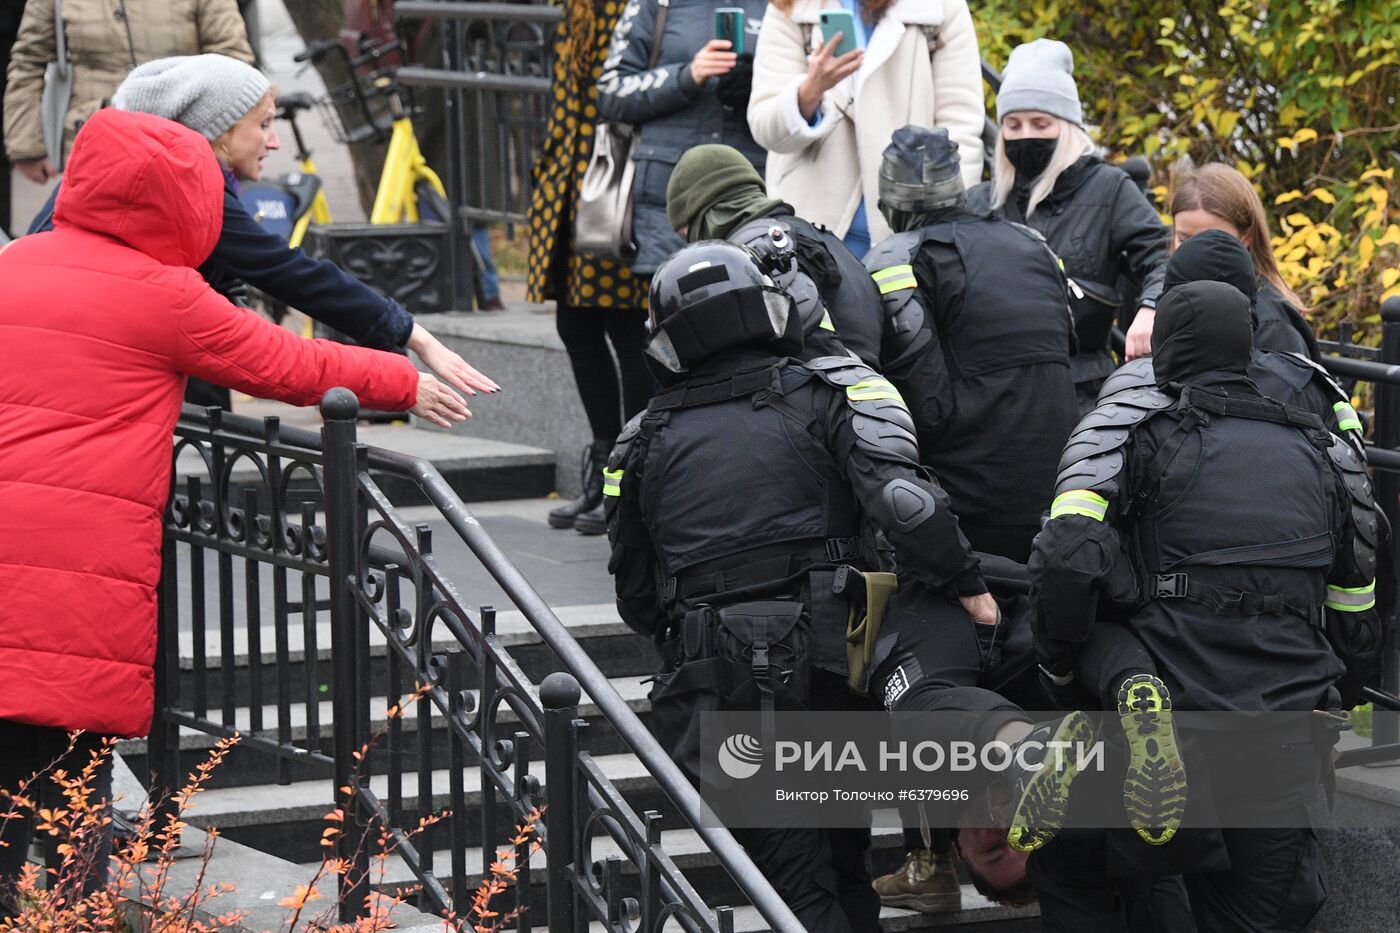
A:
(919, 175)
(712, 296)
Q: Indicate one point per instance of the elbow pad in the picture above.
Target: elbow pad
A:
(1362, 504)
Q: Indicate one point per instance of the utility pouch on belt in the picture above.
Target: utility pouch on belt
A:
(764, 653)
(869, 596)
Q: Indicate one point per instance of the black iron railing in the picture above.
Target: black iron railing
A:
(302, 517)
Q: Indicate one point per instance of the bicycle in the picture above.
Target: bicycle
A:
(409, 191)
(288, 205)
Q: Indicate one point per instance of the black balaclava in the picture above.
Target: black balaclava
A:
(1200, 328)
(1212, 256)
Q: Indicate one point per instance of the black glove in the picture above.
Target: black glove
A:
(733, 88)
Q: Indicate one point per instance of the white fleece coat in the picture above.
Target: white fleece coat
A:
(823, 171)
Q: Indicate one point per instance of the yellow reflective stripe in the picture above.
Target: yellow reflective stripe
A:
(1351, 599)
(1079, 502)
(612, 482)
(826, 321)
(873, 389)
(1347, 419)
(893, 278)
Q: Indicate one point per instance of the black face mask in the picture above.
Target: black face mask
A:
(1029, 156)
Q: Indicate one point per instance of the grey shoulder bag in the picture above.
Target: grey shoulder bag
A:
(58, 91)
(603, 221)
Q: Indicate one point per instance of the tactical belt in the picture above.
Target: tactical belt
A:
(775, 567)
(1226, 600)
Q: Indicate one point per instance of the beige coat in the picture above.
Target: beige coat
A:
(102, 54)
(825, 170)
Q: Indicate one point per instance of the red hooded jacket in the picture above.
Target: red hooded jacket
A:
(100, 321)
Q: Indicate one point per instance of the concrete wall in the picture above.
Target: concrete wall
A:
(538, 403)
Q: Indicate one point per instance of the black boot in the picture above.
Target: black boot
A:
(595, 457)
(591, 522)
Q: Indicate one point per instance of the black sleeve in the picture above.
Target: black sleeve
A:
(629, 91)
(878, 457)
(633, 562)
(1140, 240)
(315, 287)
(917, 364)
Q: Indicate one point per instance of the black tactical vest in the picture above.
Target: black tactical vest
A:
(731, 470)
(1238, 519)
(1006, 274)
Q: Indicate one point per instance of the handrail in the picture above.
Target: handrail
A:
(590, 677)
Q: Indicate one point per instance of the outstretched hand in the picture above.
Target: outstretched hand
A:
(447, 364)
(438, 403)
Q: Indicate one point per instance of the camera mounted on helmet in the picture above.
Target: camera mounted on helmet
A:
(712, 296)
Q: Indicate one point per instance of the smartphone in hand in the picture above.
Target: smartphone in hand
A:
(729, 25)
(834, 21)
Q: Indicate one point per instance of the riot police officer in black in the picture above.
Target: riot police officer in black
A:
(734, 501)
(980, 339)
(1295, 380)
(1171, 546)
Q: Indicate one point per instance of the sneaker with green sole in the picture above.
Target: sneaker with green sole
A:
(1154, 787)
(1040, 795)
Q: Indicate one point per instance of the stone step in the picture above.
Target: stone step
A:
(513, 629)
(690, 854)
(478, 469)
(310, 800)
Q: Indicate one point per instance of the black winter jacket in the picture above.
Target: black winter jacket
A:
(247, 253)
(1281, 327)
(1102, 227)
(673, 112)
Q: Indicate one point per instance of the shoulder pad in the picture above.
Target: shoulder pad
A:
(746, 233)
(623, 446)
(880, 419)
(891, 264)
(1345, 456)
(1134, 375)
(1363, 501)
(897, 248)
(840, 371)
(1094, 452)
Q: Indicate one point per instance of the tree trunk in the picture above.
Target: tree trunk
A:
(319, 19)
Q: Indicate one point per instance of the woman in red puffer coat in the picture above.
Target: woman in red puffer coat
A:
(101, 320)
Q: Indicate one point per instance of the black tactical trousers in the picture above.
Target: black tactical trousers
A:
(821, 874)
(1077, 895)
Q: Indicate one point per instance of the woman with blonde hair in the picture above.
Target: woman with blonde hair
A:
(1102, 227)
(1217, 197)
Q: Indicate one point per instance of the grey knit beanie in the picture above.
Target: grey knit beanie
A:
(1039, 75)
(207, 93)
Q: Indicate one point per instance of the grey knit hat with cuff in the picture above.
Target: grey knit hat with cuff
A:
(207, 93)
(1039, 75)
